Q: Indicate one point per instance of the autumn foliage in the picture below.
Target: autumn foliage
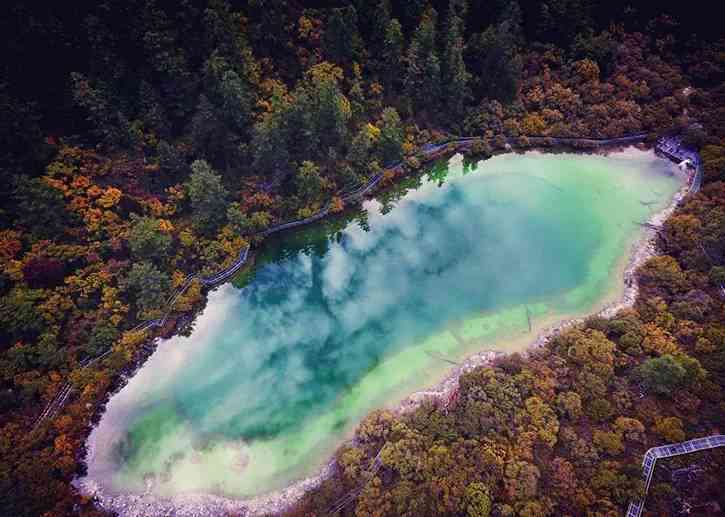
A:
(165, 138)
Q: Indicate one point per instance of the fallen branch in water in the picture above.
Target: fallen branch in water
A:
(438, 356)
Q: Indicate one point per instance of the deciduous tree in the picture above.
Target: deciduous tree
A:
(663, 375)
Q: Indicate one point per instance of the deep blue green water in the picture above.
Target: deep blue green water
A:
(352, 314)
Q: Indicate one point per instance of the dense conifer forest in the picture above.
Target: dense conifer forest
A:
(144, 140)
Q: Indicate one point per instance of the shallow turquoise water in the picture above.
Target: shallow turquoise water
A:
(351, 314)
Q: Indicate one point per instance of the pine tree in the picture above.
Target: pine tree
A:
(148, 286)
(168, 60)
(146, 240)
(455, 75)
(423, 74)
(411, 13)
(494, 61)
(391, 137)
(207, 194)
(342, 38)
(304, 124)
(360, 147)
(233, 96)
(380, 22)
(356, 94)
(310, 184)
(392, 54)
(512, 19)
(322, 107)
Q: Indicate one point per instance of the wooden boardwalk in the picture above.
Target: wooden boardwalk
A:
(668, 451)
(352, 494)
(674, 149)
(54, 406)
(429, 152)
(433, 151)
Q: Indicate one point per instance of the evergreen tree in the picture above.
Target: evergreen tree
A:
(22, 144)
(310, 184)
(560, 20)
(321, 109)
(357, 94)
(223, 117)
(305, 124)
(171, 160)
(146, 239)
(152, 112)
(455, 75)
(392, 55)
(147, 286)
(271, 154)
(243, 223)
(494, 61)
(600, 48)
(342, 41)
(169, 62)
(232, 95)
(101, 339)
(39, 208)
(380, 21)
(391, 137)
(666, 374)
(360, 147)
(423, 74)
(512, 17)
(226, 38)
(269, 20)
(110, 124)
(207, 194)
(209, 136)
(411, 13)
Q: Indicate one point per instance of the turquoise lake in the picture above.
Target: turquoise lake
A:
(358, 312)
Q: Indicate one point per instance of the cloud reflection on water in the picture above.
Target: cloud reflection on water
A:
(264, 361)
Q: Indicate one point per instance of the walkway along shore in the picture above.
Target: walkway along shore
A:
(668, 451)
(205, 504)
(433, 152)
(430, 152)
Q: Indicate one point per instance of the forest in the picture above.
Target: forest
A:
(145, 140)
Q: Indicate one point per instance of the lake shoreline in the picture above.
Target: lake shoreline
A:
(276, 502)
